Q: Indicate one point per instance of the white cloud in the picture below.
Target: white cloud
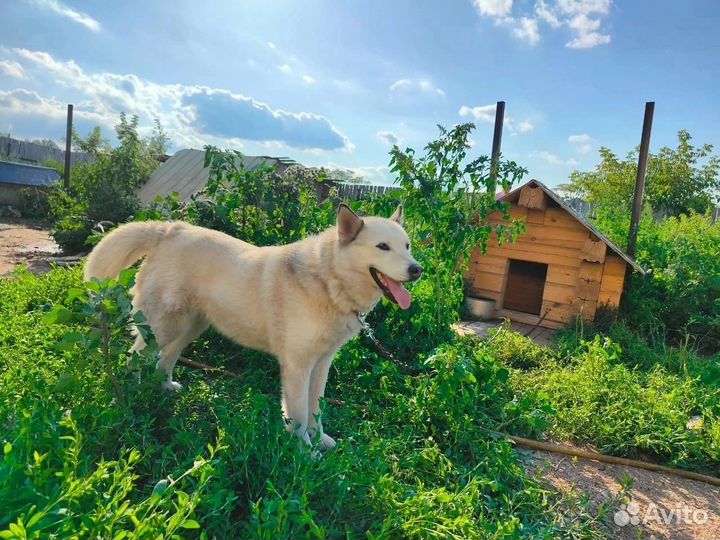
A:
(427, 86)
(527, 30)
(402, 84)
(389, 138)
(308, 79)
(552, 159)
(285, 68)
(12, 69)
(588, 41)
(192, 115)
(583, 143)
(486, 113)
(493, 8)
(580, 139)
(61, 9)
(524, 127)
(408, 86)
(583, 18)
(271, 45)
(374, 175)
(546, 14)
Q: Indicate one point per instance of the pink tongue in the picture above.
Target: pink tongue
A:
(399, 292)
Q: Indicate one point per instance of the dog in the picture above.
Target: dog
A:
(300, 302)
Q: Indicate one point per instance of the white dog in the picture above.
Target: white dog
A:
(299, 302)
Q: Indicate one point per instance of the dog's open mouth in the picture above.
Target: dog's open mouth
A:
(393, 290)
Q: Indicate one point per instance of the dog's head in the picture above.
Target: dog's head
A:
(380, 247)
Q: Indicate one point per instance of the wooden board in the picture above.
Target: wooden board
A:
(533, 198)
(613, 281)
(593, 250)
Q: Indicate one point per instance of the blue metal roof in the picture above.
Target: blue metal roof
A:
(27, 175)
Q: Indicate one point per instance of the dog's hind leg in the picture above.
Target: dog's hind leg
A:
(174, 334)
(295, 390)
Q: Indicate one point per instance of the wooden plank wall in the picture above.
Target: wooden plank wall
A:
(574, 285)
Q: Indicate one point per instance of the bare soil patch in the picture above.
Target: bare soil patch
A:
(25, 241)
(695, 506)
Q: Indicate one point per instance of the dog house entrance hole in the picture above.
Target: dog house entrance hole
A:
(525, 286)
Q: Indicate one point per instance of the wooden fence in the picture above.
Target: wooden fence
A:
(360, 191)
(36, 154)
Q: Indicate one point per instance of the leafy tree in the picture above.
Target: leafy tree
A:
(448, 200)
(94, 144)
(158, 144)
(103, 190)
(45, 142)
(678, 181)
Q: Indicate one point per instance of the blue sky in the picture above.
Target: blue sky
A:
(336, 83)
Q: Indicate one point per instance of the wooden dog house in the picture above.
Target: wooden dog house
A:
(559, 268)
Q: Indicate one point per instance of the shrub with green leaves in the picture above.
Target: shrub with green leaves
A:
(599, 400)
(105, 189)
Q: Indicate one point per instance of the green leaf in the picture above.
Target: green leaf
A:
(190, 524)
(7, 448)
(65, 382)
(57, 315)
(73, 294)
(161, 487)
(68, 341)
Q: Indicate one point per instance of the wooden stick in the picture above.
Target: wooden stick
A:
(199, 365)
(576, 452)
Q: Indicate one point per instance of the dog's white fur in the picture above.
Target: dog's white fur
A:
(298, 302)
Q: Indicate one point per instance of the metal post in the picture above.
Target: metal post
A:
(497, 139)
(68, 146)
(640, 178)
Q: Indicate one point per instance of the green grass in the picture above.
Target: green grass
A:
(214, 461)
(624, 404)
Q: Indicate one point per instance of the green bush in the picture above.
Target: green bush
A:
(105, 189)
(629, 412)
(681, 293)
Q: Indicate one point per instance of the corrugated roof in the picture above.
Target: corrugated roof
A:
(184, 173)
(513, 195)
(27, 175)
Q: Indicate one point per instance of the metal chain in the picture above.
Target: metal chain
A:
(368, 331)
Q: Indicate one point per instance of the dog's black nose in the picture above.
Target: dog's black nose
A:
(415, 271)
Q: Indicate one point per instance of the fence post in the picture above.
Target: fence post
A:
(640, 178)
(497, 139)
(68, 146)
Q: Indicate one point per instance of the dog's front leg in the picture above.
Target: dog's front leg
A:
(318, 378)
(295, 386)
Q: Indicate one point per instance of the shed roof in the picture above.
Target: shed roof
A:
(27, 175)
(185, 174)
(514, 195)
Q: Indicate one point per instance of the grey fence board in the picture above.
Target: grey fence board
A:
(35, 154)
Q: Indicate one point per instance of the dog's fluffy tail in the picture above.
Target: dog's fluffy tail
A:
(122, 247)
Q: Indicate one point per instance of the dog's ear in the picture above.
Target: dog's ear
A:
(349, 224)
(399, 215)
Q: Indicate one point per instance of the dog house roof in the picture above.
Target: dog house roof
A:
(514, 196)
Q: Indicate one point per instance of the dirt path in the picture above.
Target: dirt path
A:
(661, 505)
(24, 241)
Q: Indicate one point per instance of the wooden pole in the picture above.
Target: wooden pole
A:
(68, 146)
(640, 178)
(497, 139)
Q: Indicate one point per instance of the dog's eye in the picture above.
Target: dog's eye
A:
(383, 246)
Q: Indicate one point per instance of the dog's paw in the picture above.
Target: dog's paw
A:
(327, 442)
(171, 386)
